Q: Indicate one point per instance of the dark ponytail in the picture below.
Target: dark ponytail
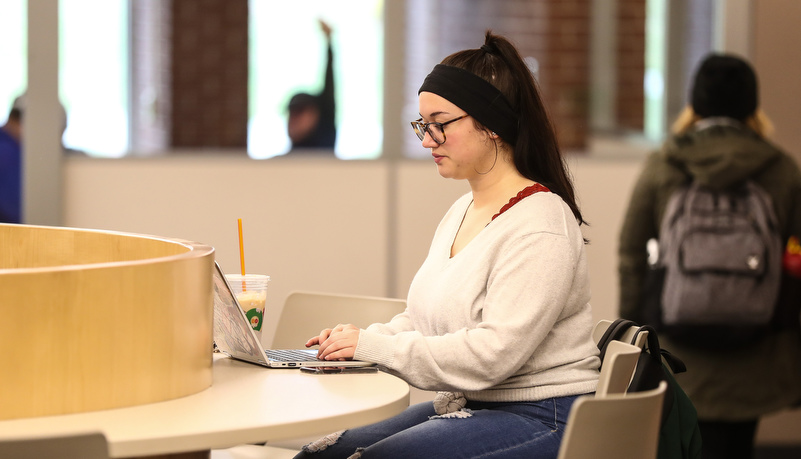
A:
(536, 153)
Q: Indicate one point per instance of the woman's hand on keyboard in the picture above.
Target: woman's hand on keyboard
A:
(338, 343)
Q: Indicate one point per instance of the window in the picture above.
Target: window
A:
(678, 36)
(13, 53)
(93, 80)
(288, 56)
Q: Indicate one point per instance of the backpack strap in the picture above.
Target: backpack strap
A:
(614, 332)
(650, 370)
(676, 364)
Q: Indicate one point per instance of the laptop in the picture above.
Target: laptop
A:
(234, 336)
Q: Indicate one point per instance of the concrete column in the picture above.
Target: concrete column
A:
(43, 119)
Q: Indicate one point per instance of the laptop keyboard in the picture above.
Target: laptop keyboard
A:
(290, 355)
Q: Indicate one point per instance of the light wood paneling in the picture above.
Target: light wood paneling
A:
(94, 320)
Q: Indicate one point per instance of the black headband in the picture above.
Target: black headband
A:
(475, 95)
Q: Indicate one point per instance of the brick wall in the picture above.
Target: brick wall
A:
(209, 73)
(566, 64)
(630, 63)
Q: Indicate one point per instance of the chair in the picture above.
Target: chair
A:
(602, 325)
(91, 445)
(615, 425)
(617, 368)
(304, 315)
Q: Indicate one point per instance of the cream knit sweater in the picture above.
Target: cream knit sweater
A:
(506, 319)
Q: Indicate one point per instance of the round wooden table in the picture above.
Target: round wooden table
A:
(245, 404)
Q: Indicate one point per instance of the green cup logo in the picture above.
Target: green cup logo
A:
(255, 316)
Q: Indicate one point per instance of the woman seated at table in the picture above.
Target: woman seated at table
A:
(498, 317)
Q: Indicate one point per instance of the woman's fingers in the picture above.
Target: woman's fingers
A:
(319, 338)
(340, 345)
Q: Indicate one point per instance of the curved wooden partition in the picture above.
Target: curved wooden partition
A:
(92, 320)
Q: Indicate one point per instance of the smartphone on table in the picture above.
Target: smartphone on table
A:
(338, 370)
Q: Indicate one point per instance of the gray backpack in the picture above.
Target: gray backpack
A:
(720, 255)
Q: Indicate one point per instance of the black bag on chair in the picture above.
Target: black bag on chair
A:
(679, 435)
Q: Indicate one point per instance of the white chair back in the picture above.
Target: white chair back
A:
(617, 368)
(305, 314)
(617, 425)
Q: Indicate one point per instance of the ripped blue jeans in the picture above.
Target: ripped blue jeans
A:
(480, 430)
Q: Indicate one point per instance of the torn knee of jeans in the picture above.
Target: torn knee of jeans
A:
(463, 413)
(447, 402)
(323, 443)
(357, 454)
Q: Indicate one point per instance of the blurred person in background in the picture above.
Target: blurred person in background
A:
(311, 122)
(11, 137)
(721, 138)
(11, 165)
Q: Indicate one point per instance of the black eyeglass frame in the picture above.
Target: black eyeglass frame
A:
(420, 128)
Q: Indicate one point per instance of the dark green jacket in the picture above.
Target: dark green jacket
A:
(760, 378)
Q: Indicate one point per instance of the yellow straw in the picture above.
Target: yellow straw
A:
(241, 253)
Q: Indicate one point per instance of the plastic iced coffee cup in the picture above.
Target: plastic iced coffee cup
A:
(251, 293)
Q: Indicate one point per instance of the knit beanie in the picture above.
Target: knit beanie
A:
(724, 85)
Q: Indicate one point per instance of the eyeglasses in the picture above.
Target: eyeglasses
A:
(435, 130)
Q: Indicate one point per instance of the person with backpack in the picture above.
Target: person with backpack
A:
(683, 271)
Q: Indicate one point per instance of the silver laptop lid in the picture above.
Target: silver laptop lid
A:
(233, 333)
